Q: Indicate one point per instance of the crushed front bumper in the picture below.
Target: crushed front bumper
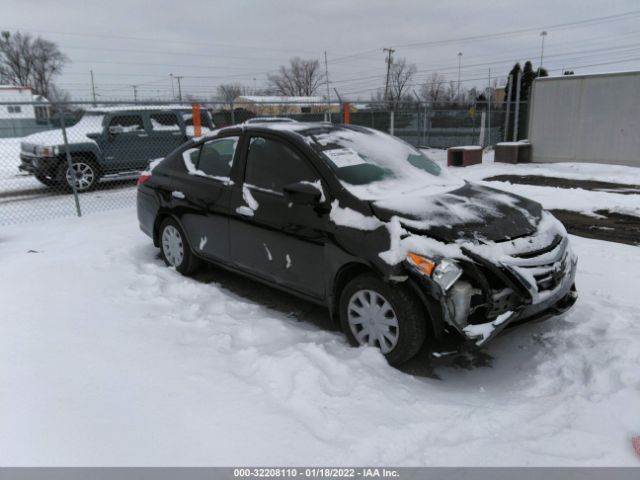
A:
(555, 302)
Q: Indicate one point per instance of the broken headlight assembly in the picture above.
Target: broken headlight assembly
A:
(458, 293)
(445, 272)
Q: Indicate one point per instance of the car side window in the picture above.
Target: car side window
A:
(164, 122)
(273, 165)
(126, 123)
(216, 156)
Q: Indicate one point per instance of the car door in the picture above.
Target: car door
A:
(125, 143)
(205, 196)
(166, 133)
(269, 235)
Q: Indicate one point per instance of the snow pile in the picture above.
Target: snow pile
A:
(347, 217)
(107, 357)
(346, 148)
(575, 199)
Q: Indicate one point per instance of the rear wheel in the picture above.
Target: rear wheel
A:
(388, 317)
(84, 171)
(175, 248)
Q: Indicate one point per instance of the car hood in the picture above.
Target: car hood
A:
(470, 212)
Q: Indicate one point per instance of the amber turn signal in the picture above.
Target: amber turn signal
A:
(425, 265)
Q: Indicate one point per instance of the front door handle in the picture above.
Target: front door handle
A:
(143, 135)
(244, 211)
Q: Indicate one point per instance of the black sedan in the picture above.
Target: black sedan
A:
(399, 251)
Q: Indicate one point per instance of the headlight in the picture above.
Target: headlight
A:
(46, 151)
(444, 271)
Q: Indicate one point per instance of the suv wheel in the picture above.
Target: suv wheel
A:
(85, 171)
(391, 318)
(175, 248)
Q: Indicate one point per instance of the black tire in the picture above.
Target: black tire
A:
(188, 262)
(45, 180)
(409, 312)
(87, 167)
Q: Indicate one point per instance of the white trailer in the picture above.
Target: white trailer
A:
(586, 118)
(23, 113)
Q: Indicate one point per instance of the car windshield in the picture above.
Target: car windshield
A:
(372, 164)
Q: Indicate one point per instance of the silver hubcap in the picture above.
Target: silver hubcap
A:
(172, 245)
(84, 175)
(372, 320)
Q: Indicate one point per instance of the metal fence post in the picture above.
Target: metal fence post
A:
(391, 122)
(517, 109)
(233, 116)
(70, 169)
(506, 118)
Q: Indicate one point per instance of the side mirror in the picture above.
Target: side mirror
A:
(302, 193)
(94, 136)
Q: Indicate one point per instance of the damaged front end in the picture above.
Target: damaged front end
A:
(498, 284)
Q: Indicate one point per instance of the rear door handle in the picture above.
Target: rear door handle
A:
(244, 211)
(143, 135)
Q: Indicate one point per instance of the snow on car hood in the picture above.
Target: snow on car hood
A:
(89, 123)
(470, 212)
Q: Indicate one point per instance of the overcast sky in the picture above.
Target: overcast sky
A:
(133, 42)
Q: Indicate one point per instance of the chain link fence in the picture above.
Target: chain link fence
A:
(78, 158)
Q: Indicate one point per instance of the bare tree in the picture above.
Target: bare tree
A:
(400, 77)
(25, 60)
(451, 92)
(229, 91)
(433, 90)
(300, 78)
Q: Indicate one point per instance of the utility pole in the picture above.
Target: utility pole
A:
(135, 93)
(542, 34)
(179, 86)
(93, 88)
(173, 92)
(389, 62)
(326, 79)
(459, 66)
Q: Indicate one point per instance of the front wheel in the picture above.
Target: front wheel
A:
(175, 250)
(388, 317)
(83, 171)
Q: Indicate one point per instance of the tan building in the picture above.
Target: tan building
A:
(265, 105)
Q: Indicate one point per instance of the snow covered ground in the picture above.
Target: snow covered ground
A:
(575, 199)
(109, 358)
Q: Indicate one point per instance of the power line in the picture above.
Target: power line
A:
(493, 35)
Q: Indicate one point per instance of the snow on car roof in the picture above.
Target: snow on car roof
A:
(123, 108)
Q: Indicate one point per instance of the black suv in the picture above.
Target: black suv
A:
(105, 141)
(351, 218)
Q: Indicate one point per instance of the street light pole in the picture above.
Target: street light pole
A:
(459, 66)
(542, 34)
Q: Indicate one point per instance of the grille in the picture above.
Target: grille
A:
(543, 269)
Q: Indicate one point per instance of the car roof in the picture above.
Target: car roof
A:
(293, 130)
(139, 108)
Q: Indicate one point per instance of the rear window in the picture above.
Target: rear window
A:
(164, 122)
(126, 123)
